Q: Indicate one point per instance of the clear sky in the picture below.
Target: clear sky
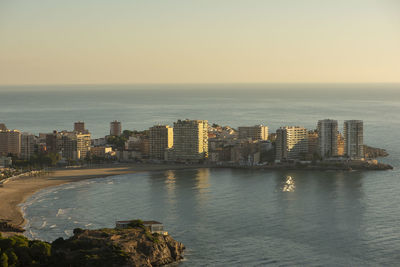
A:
(199, 41)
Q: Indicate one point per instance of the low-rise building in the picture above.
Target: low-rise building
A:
(5, 162)
(152, 226)
(256, 132)
(101, 151)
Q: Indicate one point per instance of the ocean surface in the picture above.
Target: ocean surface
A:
(228, 217)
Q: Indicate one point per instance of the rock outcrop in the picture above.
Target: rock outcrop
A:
(116, 247)
(6, 226)
(373, 152)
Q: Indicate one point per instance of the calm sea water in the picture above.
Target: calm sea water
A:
(228, 217)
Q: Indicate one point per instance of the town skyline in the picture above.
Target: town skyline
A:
(192, 141)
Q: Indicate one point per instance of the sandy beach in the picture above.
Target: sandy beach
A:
(17, 191)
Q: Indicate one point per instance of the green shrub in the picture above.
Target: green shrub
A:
(136, 224)
(3, 260)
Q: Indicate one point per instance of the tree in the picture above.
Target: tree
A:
(117, 141)
(3, 260)
(12, 258)
(41, 251)
(127, 133)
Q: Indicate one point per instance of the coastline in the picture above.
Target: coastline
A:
(17, 191)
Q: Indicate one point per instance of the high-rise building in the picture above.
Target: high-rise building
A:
(27, 145)
(327, 138)
(353, 139)
(54, 142)
(312, 142)
(115, 128)
(75, 145)
(291, 143)
(256, 132)
(161, 138)
(10, 143)
(340, 144)
(190, 140)
(79, 127)
(3, 127)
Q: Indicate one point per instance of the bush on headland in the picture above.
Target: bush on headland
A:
(134, 246)
(20, 251)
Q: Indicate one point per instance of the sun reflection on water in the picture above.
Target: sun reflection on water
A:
(289, 184)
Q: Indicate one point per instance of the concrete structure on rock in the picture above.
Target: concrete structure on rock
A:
(353, 132)
(161, 138)
(291, 143)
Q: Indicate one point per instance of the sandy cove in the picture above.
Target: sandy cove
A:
(18, 190)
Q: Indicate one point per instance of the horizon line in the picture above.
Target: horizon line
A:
(203, 83)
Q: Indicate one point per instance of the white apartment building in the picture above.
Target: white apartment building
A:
(291, 143)
(190, 140)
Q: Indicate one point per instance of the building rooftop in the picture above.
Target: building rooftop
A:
(144, 222)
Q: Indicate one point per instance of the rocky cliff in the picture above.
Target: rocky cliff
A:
(116, 247)
(104, 247)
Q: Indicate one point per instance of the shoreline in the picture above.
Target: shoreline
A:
(17, 191)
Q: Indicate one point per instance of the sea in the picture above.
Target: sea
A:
(227, 217)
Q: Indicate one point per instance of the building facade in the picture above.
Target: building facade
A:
(256, 132)
(3, 127)
(27, 145)
(10, 143)
(353, 133)
(327, 138)
(291, 143)
(75, 145)
(115, 128)
(161, 137)
(312, 144)
(340, 144)
(79, 127)
(190, 140)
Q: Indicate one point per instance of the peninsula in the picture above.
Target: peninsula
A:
(133, 246)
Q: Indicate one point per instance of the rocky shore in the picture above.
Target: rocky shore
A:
(321, 166)
(103, 247)
(373, 152)
(7, 227)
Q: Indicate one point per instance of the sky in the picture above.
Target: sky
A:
(203, 41)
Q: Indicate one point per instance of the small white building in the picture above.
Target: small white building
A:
(152, 226)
